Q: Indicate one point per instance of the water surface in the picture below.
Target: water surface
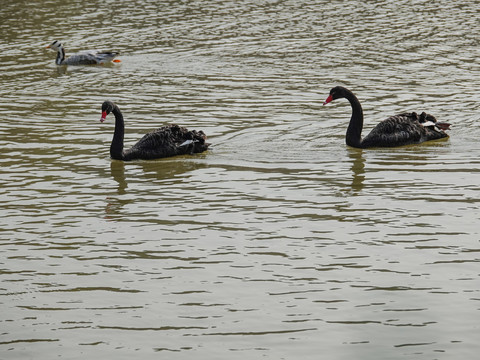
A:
(280, 242)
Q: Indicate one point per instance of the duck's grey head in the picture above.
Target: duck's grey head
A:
(107, 108)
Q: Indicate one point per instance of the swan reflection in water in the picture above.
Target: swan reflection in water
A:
(117, 170)
(164, 172)
(358, 169)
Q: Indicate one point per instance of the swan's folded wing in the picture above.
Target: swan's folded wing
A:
(397, 130)
(169, 140)
(403, 129)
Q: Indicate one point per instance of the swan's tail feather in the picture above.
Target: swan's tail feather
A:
(428, 123)
(194, 145)
(429, 120)
(443, 125)
(187, 142)
(438, 125)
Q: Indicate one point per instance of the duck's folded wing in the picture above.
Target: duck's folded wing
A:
(103, 56)
(81, 59)
(91, 57)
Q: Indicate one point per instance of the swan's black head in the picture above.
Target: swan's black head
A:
(336, 93)
(107, 108)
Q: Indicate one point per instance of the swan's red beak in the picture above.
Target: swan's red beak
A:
(329, 98)
(104, 116)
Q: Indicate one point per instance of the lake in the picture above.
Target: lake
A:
(280, 241)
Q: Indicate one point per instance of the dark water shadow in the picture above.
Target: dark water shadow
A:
(358, 169)
(117, 171)
(165, 172)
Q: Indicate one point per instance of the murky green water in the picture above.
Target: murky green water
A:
(278, 243)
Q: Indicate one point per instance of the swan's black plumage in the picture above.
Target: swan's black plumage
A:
(169, 140)
(397, 130)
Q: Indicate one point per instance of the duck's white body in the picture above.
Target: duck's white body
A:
(90, 57)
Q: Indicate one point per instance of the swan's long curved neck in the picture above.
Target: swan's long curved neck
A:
(116, 148)
(60, 55)
(354, 131)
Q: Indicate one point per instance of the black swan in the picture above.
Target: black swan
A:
(90, 57)
(397, 130)
(169, 140)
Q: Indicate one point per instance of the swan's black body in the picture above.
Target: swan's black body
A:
(169, 140)
(397, 130)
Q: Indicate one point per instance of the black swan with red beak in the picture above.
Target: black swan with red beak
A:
(397, 130)
(169, 140)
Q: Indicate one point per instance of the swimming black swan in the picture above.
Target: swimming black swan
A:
(169, 140)
(89, 57)
(397, 130)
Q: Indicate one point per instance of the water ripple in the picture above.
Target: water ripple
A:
(279, 234)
